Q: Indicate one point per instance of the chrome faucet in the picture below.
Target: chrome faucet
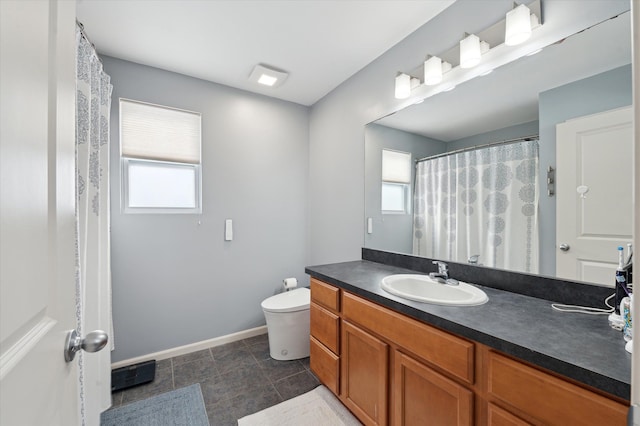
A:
(473, 259)
(443, 270)
(442, 275)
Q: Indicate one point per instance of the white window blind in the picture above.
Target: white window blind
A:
(396, 166)
(159, 133)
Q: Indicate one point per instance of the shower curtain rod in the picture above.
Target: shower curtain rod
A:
(486, 145)
(86, 37)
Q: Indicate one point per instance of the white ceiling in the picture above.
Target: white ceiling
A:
(321, 43)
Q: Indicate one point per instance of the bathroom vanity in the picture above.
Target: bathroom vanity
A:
(511, 361)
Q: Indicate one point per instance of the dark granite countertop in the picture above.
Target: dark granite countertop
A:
(578, 346)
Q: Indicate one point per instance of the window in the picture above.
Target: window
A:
(160, 152)
(396, 182)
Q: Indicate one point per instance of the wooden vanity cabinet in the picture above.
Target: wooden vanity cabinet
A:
(388, 368)
(424, 366)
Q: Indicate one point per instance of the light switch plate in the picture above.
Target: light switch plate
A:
(228, 230)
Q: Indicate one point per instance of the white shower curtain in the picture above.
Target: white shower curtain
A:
(93, 270)
(480, 202)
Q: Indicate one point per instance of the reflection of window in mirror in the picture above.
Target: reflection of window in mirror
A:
(396, 182)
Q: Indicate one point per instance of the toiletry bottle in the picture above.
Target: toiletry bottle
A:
(628, 267)
(621, 281)
(627, 315)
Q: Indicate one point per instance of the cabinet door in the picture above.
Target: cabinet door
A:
(496, 416)
(364, 375)
(423, 397)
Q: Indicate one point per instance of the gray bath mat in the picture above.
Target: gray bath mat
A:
(181, 407)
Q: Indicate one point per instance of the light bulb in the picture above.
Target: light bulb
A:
(403, 86)
(432, 71)
(470, 53)
(518, 26)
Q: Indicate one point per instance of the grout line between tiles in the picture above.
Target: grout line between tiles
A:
(278, 392)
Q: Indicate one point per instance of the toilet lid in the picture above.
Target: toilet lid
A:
(288, 301)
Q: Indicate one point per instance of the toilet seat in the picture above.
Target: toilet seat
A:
(289, 301)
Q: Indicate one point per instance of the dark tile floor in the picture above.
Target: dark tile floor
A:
(237, 379)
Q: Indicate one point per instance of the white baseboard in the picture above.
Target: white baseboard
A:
(193, 347)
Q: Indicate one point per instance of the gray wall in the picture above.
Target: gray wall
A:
(391, 232)
(336, 166)
(175, 280)
(601, 92)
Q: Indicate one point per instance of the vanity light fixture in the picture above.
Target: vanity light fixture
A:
(471, 50)
(268, 76)
(514, 29)
(404, 84)
(432, 71)
(519, 24)
(434, 68)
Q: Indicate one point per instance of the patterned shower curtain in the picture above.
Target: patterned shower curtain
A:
(93, 270)
(480, 202)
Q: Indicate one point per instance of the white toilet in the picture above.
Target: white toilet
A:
(287, 316)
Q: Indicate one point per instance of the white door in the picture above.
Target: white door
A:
(37, 167)
(594, 154)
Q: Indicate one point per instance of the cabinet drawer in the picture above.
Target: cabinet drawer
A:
(325, 295)
(548, 398)
(450, 353)
(325, 327)
(325, 365)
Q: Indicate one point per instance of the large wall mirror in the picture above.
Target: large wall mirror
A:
(586, 74)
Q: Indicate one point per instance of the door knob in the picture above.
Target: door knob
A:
(92, 342)
(564, 247)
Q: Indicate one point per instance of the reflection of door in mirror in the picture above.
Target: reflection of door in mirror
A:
(594, 157)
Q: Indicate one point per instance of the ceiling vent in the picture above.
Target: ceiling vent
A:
(268, 76)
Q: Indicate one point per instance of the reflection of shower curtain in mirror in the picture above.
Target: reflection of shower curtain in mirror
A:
(482, 201)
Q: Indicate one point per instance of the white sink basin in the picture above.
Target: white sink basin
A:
(423, 288)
